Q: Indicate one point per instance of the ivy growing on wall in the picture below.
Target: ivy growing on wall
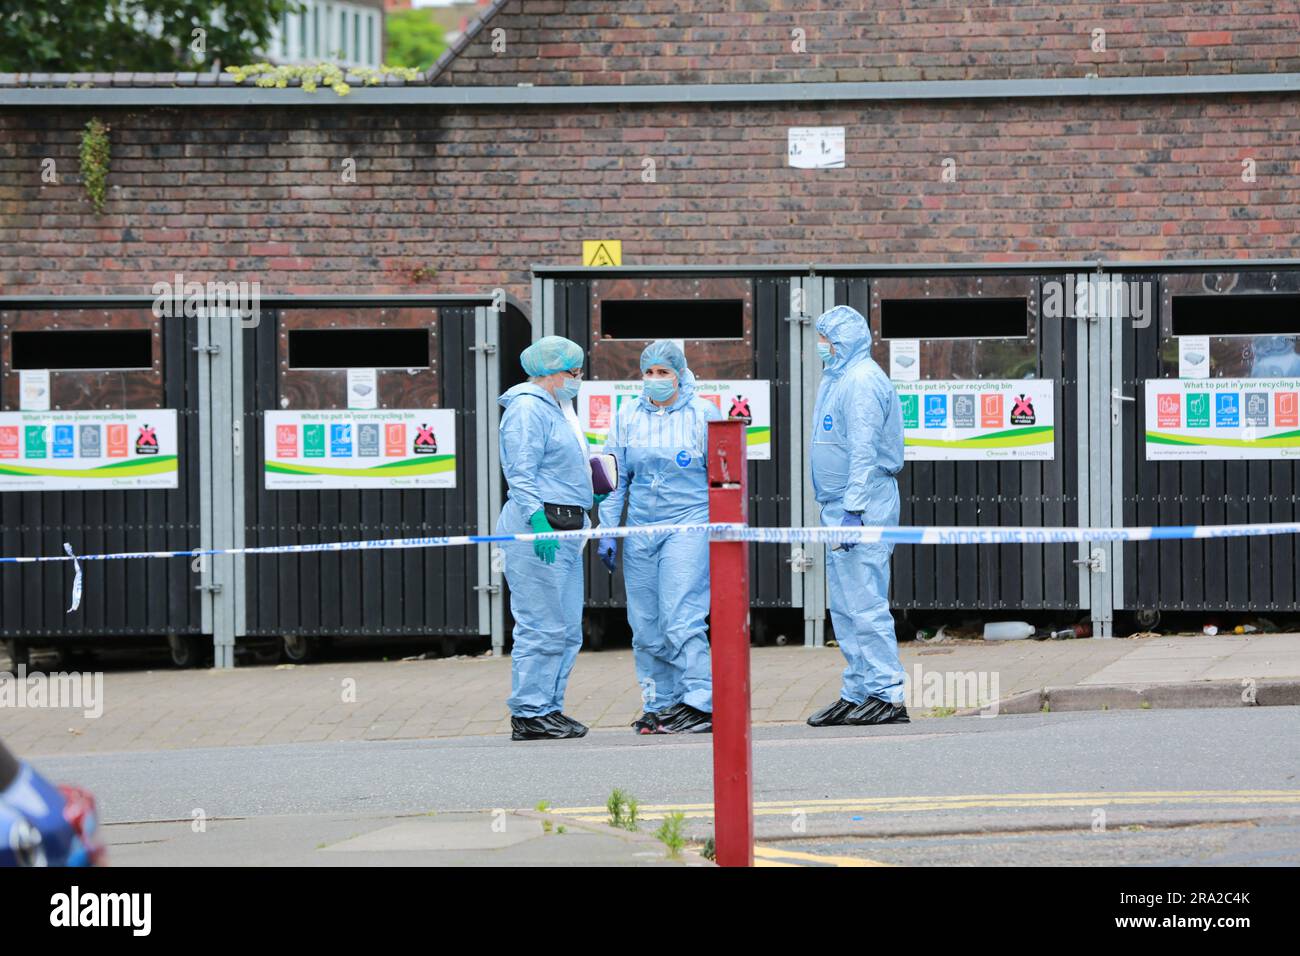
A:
(95, 150)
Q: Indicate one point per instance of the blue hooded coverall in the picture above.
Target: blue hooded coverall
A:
(544, 461)
(663, 476)
(857, 449)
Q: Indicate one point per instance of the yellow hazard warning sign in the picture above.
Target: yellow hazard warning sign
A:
(602, 252)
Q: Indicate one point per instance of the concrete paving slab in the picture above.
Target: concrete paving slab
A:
(496, 838)
(388, 700)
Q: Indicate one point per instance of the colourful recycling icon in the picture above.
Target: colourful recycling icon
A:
(739, 408)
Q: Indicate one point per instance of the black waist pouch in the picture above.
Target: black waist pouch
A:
(565, 517)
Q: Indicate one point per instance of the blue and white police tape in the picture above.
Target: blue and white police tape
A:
(955, 534)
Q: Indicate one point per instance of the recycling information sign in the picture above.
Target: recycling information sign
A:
(1222, 418)
(599, 401)
(978, 420)
(384, 448)
(110, 450)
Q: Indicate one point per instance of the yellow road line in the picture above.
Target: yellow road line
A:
(770, 854)
(964, 802)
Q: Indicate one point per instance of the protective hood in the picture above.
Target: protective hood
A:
(848, 331)
(685, 392)
(526, 390)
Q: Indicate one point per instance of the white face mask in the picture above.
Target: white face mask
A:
(568, 389)
(659, 389)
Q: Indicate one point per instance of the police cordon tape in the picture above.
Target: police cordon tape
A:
(955, 534)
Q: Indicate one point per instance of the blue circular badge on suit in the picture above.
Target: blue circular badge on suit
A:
(828, 423)
(683, 458)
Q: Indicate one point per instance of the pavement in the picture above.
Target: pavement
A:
(1161, 787)
(409, 762)
(162, 709)
(492, 838)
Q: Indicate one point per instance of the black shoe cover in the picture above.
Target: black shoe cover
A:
(580, 730)
(685, 719)
(647, 723)
(669, 714)
(540, 728)
(877, 711)
(832, 716)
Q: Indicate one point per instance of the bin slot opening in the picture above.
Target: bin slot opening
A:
(83, 349)
(954, 318)
(1236, 315)
(359, 348)
(648, 319)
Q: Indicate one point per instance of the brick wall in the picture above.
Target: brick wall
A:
(747, 41)
(481, 195)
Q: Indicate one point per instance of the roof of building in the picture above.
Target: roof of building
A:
(443, 62)
(222, 89)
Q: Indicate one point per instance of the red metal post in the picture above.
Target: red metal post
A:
(733, 762)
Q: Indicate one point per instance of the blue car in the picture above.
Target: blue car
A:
(45, 825)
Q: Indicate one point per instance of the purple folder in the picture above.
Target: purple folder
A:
(604, 474)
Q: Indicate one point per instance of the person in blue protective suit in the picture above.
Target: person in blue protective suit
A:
(660, 440)
(546, 465)
(857, 449)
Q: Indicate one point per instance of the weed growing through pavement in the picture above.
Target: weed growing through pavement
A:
(622, 809)
(670, 833)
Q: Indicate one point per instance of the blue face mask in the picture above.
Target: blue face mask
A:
(659, 389)
(568, 389)
(825, 352)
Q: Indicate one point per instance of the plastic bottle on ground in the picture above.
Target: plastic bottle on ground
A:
(1007, 631)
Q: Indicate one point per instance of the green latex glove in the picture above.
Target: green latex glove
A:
(600, 498)
(545, 550)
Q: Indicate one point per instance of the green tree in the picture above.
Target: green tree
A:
(414, 39)
(81, 36)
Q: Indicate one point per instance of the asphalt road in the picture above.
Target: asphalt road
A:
(1132, 786)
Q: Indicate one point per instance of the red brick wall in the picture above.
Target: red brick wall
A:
(480, 196)
(748, 41)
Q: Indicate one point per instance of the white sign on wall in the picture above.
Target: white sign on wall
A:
(1193, 356)
(816, 147)
(363, 388)
(34, 389)
(388, 448)
(905, 360)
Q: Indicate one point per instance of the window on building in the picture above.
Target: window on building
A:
(358, 348)
(77, 349)
(343, 34)
(965, 318)
(1264, 314)
(370, 40)
(315, 31)
(673, 319)
(302, 36)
